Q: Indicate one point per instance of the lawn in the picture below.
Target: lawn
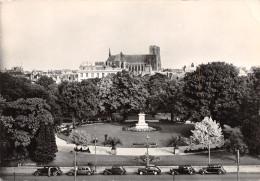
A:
(128, 138)
(65, 159)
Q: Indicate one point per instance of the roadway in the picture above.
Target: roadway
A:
(133, 177)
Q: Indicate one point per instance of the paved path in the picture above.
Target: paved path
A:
(102, 150)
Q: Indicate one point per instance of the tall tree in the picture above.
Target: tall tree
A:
(158, 91)
(236, 142)
(251, 103)
(13, 88)
(45, 144)
(166, 96)
(251, 131)
(123, 93)
(216, 90)
(45, 81)
(21, 119)
(207, 132)
(81, 98)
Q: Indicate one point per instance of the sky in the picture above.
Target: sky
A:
(61, 34)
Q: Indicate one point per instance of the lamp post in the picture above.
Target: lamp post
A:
(147, 144)
(75, 166)
(208, 147)
(238, 160)
(95, 149)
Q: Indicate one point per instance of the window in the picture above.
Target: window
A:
(98, 75)
(81, 74)
(103, 74)
(86, 74)
(92, 74)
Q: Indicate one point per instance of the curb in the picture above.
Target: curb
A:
(129, 169)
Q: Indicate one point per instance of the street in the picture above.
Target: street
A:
(132, 177)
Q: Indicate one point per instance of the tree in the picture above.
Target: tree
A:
(13, 88)
(176, 141)
(173, 100)
(251, 103)
(21, 120)
(251, 131)
(157, 87)
(4, 143)
(79, 137)
(207, 132)
(215, 90)
(122, 93)
(250, 127)
(45, 81)
(46, 144)
(236, 142)
(81, 98)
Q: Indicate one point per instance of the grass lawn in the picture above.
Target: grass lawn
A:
(128, 138)
(65, 159)
(200, 159)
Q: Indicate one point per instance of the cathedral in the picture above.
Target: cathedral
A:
(137, 63)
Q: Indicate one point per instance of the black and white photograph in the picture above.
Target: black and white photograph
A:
(127, 90)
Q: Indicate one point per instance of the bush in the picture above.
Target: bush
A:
(191, 150)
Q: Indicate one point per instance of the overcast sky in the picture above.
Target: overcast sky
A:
(57, 34)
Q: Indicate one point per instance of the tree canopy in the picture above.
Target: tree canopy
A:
(45, 144)
(80, 98)
(45, 81)
(207, 132)
(251, 131)
(236, 142)
(79, 137)
(123, 93)
(216, 90)
(20, 121)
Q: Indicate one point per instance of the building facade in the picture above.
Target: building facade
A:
(137, 63)
(99, 70)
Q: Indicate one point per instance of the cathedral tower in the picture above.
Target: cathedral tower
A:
(155, 50)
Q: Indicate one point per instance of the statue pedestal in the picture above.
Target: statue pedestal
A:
(141, 122)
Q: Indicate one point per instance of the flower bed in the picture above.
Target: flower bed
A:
(149, 129)
(143, 158)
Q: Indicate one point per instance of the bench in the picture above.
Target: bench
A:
(144, 145)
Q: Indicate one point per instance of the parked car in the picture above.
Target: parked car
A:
(48, 170)
(213, 168)
(85, 149)
(151, 169)
(82, 148)
(183, 169)
(115, 170)
(82, 170)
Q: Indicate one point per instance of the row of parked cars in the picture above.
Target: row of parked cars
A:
(120, 170)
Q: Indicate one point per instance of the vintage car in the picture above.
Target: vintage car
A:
(82, 170)
(183, 169)
(213, 168)
(115, 170)
(151, 169)
(48, 170)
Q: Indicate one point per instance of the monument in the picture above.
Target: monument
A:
(141, 122)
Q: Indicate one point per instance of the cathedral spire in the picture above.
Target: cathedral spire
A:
(109, 53)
